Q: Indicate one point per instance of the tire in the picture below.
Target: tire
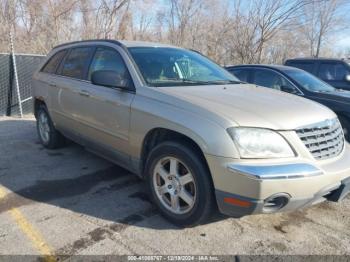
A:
(190, 180)
(48, 135)
(346, 127)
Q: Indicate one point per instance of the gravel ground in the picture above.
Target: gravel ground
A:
(72, 202)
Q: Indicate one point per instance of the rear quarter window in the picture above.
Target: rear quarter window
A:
(52, 64)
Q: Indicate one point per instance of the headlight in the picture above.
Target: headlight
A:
(259, 143)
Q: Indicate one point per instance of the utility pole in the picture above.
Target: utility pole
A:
(12, 51)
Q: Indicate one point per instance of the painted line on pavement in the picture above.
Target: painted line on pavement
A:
(32, 233)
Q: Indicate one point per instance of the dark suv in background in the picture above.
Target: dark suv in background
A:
(335, 72)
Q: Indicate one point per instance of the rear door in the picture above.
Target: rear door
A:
(334, 73)
(68, 86)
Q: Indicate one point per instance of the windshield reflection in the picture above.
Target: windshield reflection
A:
(309, 82)
(163, 66)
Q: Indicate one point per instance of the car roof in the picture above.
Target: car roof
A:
(275, 67)
(314, 59)
(117, 42)
(144, 44)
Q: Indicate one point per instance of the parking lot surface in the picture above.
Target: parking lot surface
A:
(71, 202)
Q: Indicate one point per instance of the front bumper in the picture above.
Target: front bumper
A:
(243, 187)
(238, 206)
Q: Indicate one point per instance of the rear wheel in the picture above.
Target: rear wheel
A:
(180, 184)
(48, 135)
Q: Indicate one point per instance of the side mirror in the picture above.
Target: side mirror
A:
(347, 78)
(288, 89)
(111, 78)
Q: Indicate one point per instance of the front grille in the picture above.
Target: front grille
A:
(324, 140)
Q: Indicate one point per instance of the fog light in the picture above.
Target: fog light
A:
(275, 202)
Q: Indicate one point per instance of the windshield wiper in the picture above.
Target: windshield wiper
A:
(235, 82)
(171, 81)
(221, 82)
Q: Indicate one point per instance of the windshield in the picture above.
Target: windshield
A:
(309, 82)
(162, 66)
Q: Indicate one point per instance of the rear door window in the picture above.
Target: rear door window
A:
(51, 66)
(332, 71)
(76, 63)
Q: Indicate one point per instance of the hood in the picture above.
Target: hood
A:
(248, 105)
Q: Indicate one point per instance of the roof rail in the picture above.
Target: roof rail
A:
(314, 58)
(90, 40)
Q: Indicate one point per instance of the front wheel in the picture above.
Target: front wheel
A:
(180, 184)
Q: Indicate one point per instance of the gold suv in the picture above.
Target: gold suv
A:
(201, 138)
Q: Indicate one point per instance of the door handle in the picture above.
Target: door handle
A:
(52, 85)
(84, 93)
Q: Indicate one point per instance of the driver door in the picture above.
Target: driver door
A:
(271, 79)
(106, 110)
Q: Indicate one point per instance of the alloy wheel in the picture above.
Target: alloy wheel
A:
(44, 127)
(174, 185)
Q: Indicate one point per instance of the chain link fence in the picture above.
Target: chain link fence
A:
(25, 65)
(5, 80)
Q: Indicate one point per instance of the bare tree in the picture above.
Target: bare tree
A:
(228, 31)
(86, 9)
(321, 18)
(107, 17)
(8, 16)
(180, 15)
(270, 17)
